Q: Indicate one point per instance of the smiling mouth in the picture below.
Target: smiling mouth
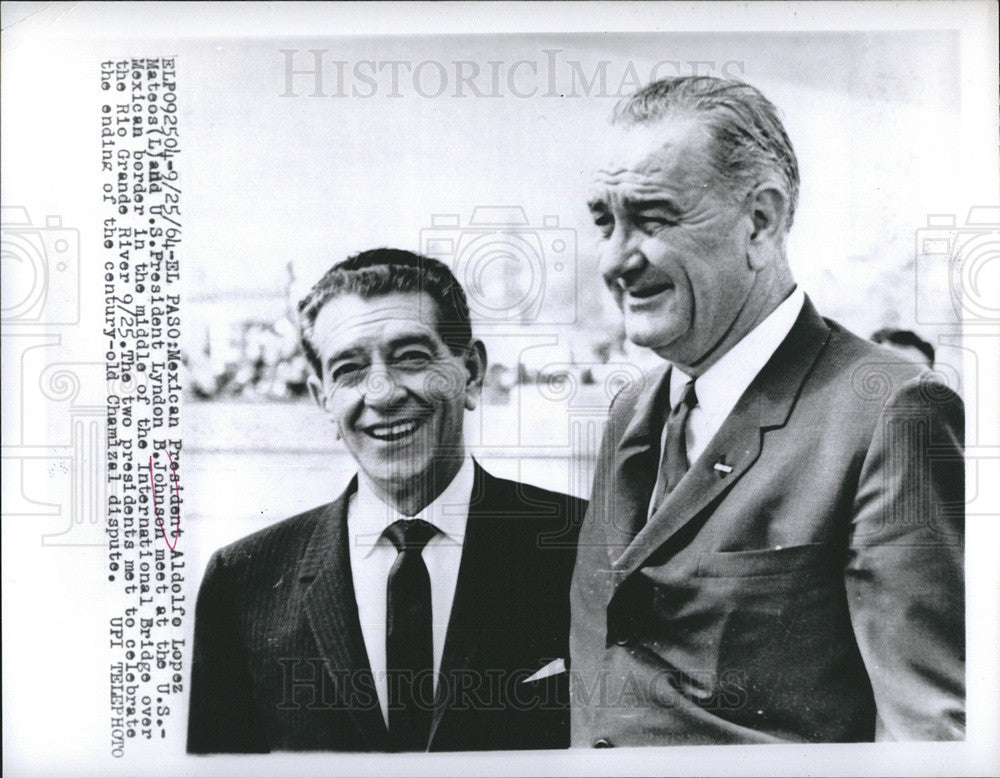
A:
(645, 292)
(397, 430)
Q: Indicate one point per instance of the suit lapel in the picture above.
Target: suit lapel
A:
(636, 461)
(332, 611)
(765, 405)
(740, 439)
(482, 552)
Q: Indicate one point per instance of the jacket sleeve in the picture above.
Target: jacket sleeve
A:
(221, 718)
(905, 571)
(588, 592)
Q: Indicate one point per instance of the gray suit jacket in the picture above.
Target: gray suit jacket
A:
(814, 592)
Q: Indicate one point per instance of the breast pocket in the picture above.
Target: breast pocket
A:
(767, 562)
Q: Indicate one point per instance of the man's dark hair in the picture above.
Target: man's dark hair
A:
(749, 139)
(906, 339)
(382, 271)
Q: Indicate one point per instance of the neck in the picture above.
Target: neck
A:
(768, 291)
(412, 497)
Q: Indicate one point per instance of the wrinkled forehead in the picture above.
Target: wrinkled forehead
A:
(626, 154)
(348, 320)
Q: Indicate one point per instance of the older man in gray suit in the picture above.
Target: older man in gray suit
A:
(774, 545)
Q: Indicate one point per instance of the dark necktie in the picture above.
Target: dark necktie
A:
(409, 639)
(675, 460)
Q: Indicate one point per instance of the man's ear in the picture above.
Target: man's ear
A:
(475, 364)
(768, 205)
(320, 398)
(316, 390)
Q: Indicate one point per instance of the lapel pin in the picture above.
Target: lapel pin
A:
(722, 467)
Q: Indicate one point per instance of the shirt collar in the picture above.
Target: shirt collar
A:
(449, 513)
(722, 385)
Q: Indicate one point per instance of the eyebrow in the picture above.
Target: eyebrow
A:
(393, 345)
(637, 204)
(653, 204)
(342, 355)
(409, 340)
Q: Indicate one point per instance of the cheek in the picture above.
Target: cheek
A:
(343, 405)
(444, 384)
(449, 424)
(656, 250)
(672, 258)
(675, 255)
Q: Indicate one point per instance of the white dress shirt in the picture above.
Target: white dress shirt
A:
(372, 554)
(720, 387)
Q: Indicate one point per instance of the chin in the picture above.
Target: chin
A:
(657, 328)
(640, 339)
(646, 336)
(399, 481)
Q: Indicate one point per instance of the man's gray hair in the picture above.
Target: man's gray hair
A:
(750, 141)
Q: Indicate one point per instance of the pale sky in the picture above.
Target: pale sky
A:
(269, 179)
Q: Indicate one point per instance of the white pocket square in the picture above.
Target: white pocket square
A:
(554, 667)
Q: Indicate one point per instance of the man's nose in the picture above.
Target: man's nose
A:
(620, 255)
(381, 387)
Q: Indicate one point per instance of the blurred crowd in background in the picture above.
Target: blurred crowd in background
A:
(262, 359)
(258, 357)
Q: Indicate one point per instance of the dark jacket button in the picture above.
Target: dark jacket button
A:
(603, 743)
(624, 642)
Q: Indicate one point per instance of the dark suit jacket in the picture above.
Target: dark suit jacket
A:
(280, 662)
(813, 593)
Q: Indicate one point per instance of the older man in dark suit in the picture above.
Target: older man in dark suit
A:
(427, 608)
(774, 545)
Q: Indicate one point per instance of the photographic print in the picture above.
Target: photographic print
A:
(496, 388)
